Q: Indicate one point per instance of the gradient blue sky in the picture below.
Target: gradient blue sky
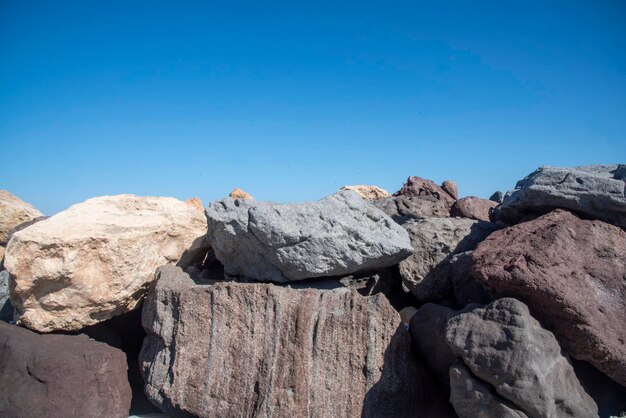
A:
(292, 100)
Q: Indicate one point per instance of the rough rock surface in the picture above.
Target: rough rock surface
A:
(234, 349)
(6, 309)
(497, 197)
(335, 236)
(14, 211)
(417, 186)
(465, 287)
(506, 347)
(473, 207)
(368, 192)
(403, 208)
(426, 273)
(96, 259)
(237, 193)
(451, 188)
(60, 376)
(597, 191)
(570, 272)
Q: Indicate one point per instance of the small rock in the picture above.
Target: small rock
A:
(473, 207)
(451, 188)
(497, 197)
(368, 192)
(417, 186)
(237, 193)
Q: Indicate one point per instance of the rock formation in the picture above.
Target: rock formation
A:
(403, 208)
(368, 192)
(473, 207)
(451, 188)
(335, 236)
(96, 259)
(419, 187)
(237, 193)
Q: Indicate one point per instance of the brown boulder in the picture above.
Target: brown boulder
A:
(570, 272)
(13, 212)
(451, 188)
(417, 187)
(473, 207)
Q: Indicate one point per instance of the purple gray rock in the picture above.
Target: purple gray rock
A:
(497, 197)
(403, 208)
(60, 376)
(339, 235)
(595, 191)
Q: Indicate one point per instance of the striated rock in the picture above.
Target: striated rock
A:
(368, 192)
(473, 207)
(419, 187)
(233, 349)
(336, 236)
(451, 188)
(596, 191)
(403, 208)
(6, 308)
(13, 212)
(506, 347)
(497, 197)
(427, 272)
(96, 259)
(237, 193)
(60, 376)
(570, 272)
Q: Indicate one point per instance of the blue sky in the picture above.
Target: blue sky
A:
(291, 100)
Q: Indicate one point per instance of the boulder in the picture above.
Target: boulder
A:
(96, 259)
(419, 187)
(497, 197)
(60, 376)
(339, 235)
(426, 273)
(13, 212)
(403, 208)
(596, 191)
(233, 349)
(473, 207)
(6, 308)
(570, 272)
(368, 192)
(465, 287)
(451, 188)
(237, 193)
(504, 346)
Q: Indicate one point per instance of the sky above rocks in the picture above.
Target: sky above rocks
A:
(291, 100)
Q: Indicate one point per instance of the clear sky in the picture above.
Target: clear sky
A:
(291, 100)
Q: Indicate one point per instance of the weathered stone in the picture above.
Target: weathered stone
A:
(403, 208)
(419, 187)
(497, 197)
(59, 376)
(96, 259)
(473, 207)
(473, 398)
(13, 211)
(339, 235)
(426, 273)
(506, 347)
(597, 191)
(570, 272)
(451, 188)
(237, 193)
(368, 192)
(6, 309)
(234, 349)
(465, 287)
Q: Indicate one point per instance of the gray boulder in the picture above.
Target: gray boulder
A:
(504, 346)
(6, 308)
(597, 191)
(336, 236)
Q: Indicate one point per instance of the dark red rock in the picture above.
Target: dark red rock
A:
(451, 188)
(417, 186)
(572, 275)
(60, 376)
(473, 207)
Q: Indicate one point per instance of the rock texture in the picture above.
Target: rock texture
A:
(419, 187)
(465, 287)
(60, 376)
(237, 193)
(497, 197)
(506, 347)
(335, 236)
(473, 207)
(570, 272)
(426, 273)
(13, 212)
(451, 188)
(597, 191)
(403, 208)
(368, 192)
(234, 349)
(96, 259)
(6, 308)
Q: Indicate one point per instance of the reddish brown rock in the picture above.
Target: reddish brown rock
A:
(451, 188)
(60, 376)
(473, 207)
(571, 273)
(403, 208)
(417, 186)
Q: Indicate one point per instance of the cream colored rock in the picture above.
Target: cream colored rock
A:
(14, 211)
(368, 192)
(237, 193)
(96, 259)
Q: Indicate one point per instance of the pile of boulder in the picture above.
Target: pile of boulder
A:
(364, 303)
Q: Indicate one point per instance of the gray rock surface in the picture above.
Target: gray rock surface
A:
(6, 308)
(497, 197)
(335, 236)
(233, 349)
(503, 345)
(597, 191)
(403, 208)
(426, 273)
